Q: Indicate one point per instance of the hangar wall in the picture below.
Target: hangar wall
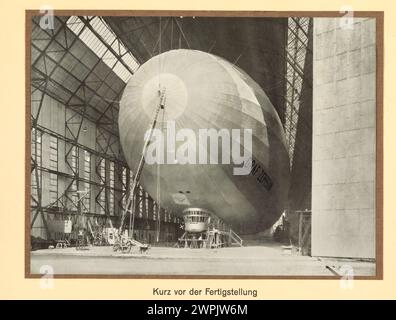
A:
(50, 132)
(52, 120)
(344, 113)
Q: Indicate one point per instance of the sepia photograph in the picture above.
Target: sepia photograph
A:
(166, 144)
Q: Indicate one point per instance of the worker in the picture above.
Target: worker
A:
(194, 242)
(80, 239)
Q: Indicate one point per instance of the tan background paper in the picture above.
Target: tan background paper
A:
(12, 166)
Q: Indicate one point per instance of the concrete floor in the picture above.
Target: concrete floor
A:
(268, 260)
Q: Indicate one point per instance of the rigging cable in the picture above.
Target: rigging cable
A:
(162, 128)
(159, 183)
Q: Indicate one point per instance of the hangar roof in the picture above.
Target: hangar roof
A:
(81, 64)
(256, 45)
(84, 62)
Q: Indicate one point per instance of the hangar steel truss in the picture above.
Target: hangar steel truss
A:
(298, 37)
(88, 81)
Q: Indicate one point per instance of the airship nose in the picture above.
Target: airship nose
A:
(175, 93)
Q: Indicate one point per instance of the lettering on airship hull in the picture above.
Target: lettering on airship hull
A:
(259, 173)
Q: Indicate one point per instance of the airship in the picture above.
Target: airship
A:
(218, 142)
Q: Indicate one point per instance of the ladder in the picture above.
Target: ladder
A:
(129, 208)
(235, 239)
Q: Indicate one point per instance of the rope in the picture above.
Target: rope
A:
(182, 33)
(159, 55)
(171, 42)
(162, 129)
(159, 184)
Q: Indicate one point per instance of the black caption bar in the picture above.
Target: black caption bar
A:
(192, 309)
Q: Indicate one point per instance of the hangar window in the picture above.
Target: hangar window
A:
(155, 209)
(36, 157)
(296, 50)
(124, 187)
(141, 195)
(87, 177)
(103, 42)
(74, 166)
(102, 195)
(111, 192)
(147, 203)
(53, 167)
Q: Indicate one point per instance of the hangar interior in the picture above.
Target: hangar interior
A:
(81, 66)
